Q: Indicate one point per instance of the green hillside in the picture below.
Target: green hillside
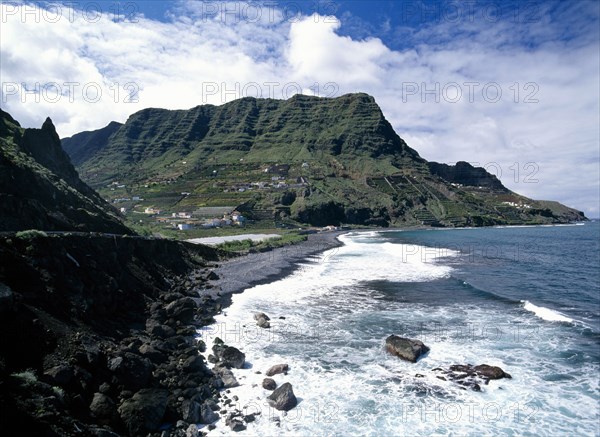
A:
(310, 160)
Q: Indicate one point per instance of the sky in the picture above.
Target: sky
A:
(511, 86)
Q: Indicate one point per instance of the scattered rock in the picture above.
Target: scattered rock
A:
(283, 398)
(237, 425)
(232, 357)
(59, 375)
(207, 415)
(144, 412)
(182, 309)
(269, 384)
(262, 320)
(212, 276)
(277, 368)
(227, 377)
(469, 376)
(405, 348)
(190, 411)
(103, 409)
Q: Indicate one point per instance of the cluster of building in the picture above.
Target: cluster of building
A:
(185, 221)
(276, 183)
(517, 205)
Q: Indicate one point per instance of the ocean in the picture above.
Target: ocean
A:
(526, 299)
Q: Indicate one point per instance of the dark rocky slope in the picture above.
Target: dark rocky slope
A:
(40, 188)
(98, 327)
(98, 333)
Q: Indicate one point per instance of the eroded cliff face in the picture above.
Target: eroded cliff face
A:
(40, 188)
(335, 161)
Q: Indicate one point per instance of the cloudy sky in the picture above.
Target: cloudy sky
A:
(510, 86)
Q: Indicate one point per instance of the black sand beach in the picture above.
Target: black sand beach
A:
(241, 273)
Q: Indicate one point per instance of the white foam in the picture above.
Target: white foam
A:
(346, 382)
(546, 313)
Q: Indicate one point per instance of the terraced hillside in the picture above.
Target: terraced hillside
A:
(310, 160)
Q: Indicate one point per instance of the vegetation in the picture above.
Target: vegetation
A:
(305, 160)
(32, 233)
(257, 246)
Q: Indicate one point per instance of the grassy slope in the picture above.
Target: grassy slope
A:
(359, 170)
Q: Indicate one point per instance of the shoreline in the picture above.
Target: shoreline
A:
(246, 271)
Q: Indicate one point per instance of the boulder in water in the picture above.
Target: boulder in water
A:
(405, 348)
(277, 368)
(283, 398)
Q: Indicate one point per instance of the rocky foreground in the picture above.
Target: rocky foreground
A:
(99, 336)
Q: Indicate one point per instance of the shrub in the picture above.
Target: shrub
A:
(29, 234)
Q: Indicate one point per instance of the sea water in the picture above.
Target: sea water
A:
(526, 299)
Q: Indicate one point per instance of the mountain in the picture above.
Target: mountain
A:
(307, 159)
(40, 188)
(84, 145)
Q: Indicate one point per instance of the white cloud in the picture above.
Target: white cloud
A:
(185, 62)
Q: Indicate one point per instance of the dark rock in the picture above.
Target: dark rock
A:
(269, 384)
(207, 415)
(101, 432)
(212, 276)
(227, 377)
(60, 375)
(190, 411)
(155, 328)
(262, 320)
(210, 403)
(262, 323)
(144, 412)
(182, 309)
(103, 409)
(237, 425)
(152, 353)
(405, 348)
(195, 364)
(131, 370)
(276, 369)
(283, 398)
(232, 357)
(491, 372)
(468, 376)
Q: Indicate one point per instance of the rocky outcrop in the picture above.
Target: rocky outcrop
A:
(277, 368)
(42, 190)
(405, 348)
(471, 377)
(269, 384)
(262, 320)
(112, 346)
(228, 356)
(283, 398)
(144, 412)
